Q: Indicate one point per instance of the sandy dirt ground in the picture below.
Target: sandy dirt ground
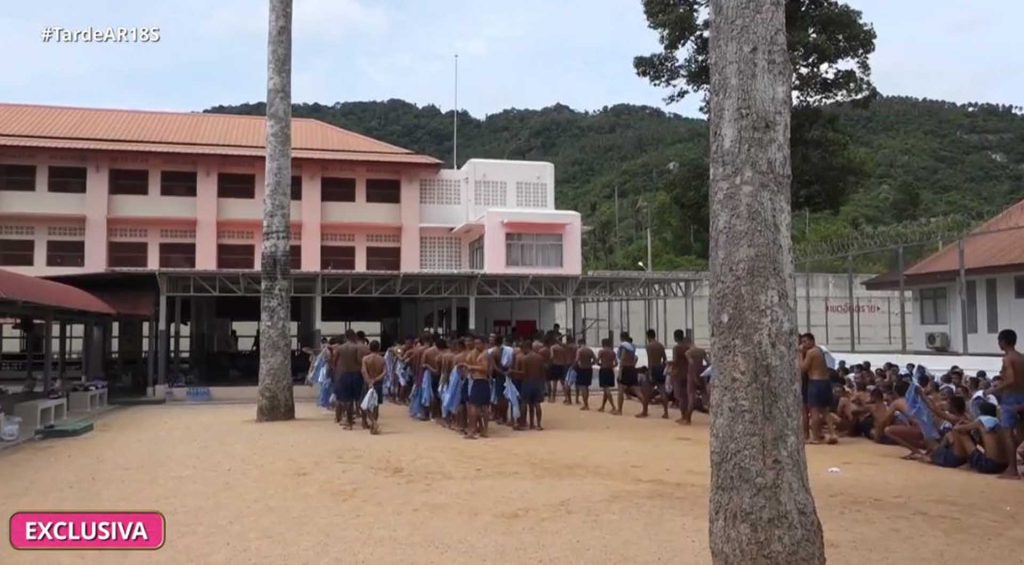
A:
(592, 488)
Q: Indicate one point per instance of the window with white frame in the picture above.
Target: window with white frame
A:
(531, 194)
(445, 192)
(490, 192)
(440, 253)
(533, 250)
(476, 254)
(934, 306)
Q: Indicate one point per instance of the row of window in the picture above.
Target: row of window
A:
(935, 306)
(72, 180)
(173, 255)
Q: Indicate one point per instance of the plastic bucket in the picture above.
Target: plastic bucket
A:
(10, 429)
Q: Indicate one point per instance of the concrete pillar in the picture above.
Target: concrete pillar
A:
(311, 215)
(410, 222)
(177, 337)
(161, 339)
(96, 204)
(472, 313)
(151, 356)
(47, 352)
(206, 216)
(62, 349)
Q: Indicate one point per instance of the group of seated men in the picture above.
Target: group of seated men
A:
(951, 420)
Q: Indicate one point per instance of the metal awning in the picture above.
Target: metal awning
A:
(601, 285)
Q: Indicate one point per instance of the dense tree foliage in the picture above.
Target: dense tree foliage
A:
(904, 159)
(828, 47)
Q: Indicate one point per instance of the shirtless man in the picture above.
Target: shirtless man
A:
(561, 358)
(607, 362)
(459, 360)
(431, 361)
(1010, 392)
(373, 376)
(695, 358)
(629, 378)
(819, 388)
(348, 383)
(991, 457)
(680, 369)
(500, 359)
(656, 371)
(585, 359)
(478, 368)
(530, 366)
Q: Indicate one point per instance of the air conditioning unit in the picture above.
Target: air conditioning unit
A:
(939, 341)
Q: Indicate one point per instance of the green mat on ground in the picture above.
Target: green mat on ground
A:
(70, 429)
(139, 401)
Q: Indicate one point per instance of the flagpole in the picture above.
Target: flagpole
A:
(455, 119)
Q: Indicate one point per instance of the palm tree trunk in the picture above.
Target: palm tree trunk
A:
(276, 400)
(761, 511)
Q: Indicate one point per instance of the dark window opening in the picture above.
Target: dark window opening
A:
(17, 252)
(66, 180)
(177, 256)
(384, 191)
(65, 253)
(335, 189)
(128, 254)
(18, 178)
(178, 183)
(337, 258)
(234, 185)
(295, 257)
(297, 188)
(383, 258)
(129, 181)
(235, 256)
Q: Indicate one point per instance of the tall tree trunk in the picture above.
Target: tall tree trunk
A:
(276, 400)
(761, 505)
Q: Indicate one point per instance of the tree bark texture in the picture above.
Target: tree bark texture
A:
(276, 399)
(762, 511)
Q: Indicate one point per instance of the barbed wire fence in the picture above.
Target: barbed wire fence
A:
(859, 323)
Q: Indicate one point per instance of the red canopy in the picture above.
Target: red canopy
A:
(15, 287)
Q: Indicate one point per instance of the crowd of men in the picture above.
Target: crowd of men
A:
(951, 420)
(466, 383)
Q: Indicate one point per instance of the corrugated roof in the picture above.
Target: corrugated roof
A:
(16, 287)
(190, 133)
(996, 244)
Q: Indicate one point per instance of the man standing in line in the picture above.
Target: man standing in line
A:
(560, 361)
(680, 370)
(694, 359)
(606, 373)
(819, 388)
(656, 372)
(348, 383)
(373, 378)
(530, 367)
(478, 367)
(629, 380)
(585, 359)
(1010, 392)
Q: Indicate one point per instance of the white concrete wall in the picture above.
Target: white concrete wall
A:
(1010, 315)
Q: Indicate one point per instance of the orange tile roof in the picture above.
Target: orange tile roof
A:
(23, 125)
(998, 244)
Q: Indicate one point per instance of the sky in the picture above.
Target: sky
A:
(512, 54)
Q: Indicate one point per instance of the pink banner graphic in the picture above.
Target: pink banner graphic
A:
(87, 530)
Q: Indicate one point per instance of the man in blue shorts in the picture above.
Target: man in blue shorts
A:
(530, 367)
(1010, 392)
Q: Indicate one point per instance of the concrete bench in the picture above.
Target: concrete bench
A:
(87, 400)
(35, 414)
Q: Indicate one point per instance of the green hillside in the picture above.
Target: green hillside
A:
(907, 159)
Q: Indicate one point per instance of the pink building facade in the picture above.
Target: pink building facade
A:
(96, 197)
